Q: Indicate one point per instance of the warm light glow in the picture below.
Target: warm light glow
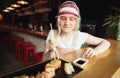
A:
(10, 8)
(22, 2)
(15, 5)
(5, 10)
(0, 16)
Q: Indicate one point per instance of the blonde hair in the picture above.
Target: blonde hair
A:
(77, 26)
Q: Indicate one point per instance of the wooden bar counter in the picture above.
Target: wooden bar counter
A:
(103, 65)
(18, 29)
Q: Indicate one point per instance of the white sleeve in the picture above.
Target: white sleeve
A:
(82, 36)
(50, 35)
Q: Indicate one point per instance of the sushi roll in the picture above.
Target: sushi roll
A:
(56, 63)
(49, 64)
(50, 68)
(59, 63)
(38, 75)
(45, 74)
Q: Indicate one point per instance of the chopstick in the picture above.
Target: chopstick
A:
(56, 53)
(51, 26)
(55, 48)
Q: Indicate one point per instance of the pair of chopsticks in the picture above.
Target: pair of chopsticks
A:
(52, 39)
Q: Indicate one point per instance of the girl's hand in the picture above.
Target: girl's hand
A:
(52, 44)
(89, 52)
(53, 48)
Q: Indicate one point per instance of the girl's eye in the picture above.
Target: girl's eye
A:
(63, 18)
(72, 18)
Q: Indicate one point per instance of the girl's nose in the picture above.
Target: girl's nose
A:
(67, 21)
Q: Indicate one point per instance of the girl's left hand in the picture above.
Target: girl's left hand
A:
(89, 52)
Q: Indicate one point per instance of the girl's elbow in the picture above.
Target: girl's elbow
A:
(107, 43)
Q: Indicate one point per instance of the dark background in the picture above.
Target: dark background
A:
(92, 12)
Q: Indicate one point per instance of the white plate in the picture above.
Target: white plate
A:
(80, 62)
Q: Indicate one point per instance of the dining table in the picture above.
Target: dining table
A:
(104, 65)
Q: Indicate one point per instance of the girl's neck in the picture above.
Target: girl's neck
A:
(66, 33)
(66, 36)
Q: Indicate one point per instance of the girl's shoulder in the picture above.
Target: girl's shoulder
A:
(56, 34)
(80, 35)
(53, 32)
(76, 33)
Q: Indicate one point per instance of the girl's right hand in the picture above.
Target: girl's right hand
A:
(52, 44)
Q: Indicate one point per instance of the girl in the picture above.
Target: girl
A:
(68, 37)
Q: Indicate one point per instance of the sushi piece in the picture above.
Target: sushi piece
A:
(46, 74)
(38, 75)
(68, 68)
(71, 67)
(56, 63)
(50, 64)
(50, 68)
(59, 63)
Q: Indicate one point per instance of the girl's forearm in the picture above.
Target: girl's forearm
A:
(104, 45)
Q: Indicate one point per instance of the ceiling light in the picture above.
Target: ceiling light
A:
(22, 2)
(10, 8)
(5, 10)
(0, 16)
(15, 5)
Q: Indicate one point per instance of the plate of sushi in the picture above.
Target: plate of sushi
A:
(55, 68)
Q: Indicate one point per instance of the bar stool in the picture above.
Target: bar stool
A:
(16, 46)
(18, 49)
(22, 45)
(15, 40)
(38, 57)
(29, 53)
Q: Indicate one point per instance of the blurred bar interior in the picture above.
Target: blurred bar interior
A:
(30, 19)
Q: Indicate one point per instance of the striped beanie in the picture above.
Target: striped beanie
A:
(68, 7)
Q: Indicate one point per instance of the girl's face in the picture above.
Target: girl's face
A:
(67, 22)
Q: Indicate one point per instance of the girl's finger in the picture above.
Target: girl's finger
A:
(87, 51)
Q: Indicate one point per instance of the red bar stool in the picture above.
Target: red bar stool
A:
(15, 40)
(29, 53)
(18, 49)
(38, 57)
(22, 45)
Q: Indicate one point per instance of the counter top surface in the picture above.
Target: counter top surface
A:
(35, 33)
(103, 65)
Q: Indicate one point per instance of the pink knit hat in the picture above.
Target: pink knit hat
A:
(68, 7)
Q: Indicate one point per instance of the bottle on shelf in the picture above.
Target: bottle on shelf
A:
(30, 27)
(35, 28)
(41, 28)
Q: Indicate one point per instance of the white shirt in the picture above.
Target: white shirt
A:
(82, 36)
